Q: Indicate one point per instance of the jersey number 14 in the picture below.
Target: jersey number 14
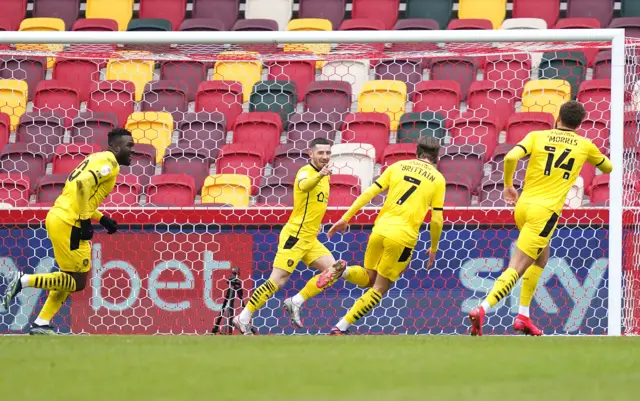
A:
(562, 162)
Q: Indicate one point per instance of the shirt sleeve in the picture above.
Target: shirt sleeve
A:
(522, 149)
(596, 158)
(437, 219)
(307, 181)
(87, 183)
(378, 186)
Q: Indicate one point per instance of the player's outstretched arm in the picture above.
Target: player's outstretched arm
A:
(307, 183)
(358, 204)
(437, 221)
(596, 158)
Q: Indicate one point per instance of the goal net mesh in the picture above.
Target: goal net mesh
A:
(221, 131)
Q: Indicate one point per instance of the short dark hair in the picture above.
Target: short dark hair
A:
(318, 141)
(571, 114)
(116, 133)
(428, 146)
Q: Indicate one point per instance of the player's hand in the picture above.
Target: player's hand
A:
(110, 224)
(510, 195)
(86, 230)
(341, 225)
(431, 258)
(326, 170)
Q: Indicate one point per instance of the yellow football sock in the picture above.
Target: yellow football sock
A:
(363, 305)
(357, 275)
(58, 281)
(53, 304)
(261, 295)
(529, 283)
(504, 284)
(311, 289)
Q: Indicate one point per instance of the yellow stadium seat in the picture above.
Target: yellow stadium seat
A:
(232, 189)
(384, 97)
(310, 24)
(239, 68)
(118, 10)
(152, 127)
(493, 10)
(42, 24)
(13, 99)
(546, 95)
(137, 71)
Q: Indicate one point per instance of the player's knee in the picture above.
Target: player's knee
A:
(372, 277)
(279, 277)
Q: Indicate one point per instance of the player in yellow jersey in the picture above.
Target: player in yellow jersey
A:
(299, 242)
(415, 186)
(69, 228)
(556, 158)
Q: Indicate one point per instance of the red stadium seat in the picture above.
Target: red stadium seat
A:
(221, 96)
(44, 128)
(32, 70)
(577, 23)
(169, 96)
(125, 193)
(492, 189)
(300, 72)
(466, 159)
(5, 129)
(305, 127)
(79, 74)
(486, 98)
(384, 10)
(631, 26)
(276, 191)
(469, 129)
(599, 191)
(225, 11)
(262, 127)
(23, 158)
(548, 10)
(469, 24)
(510, 71)
(171, 190)
(113, 96)
(362, 25)
(49, 187)
(364, 127)
(333, 10)
(90, 127)
(143, 163)
(344, 190)
(14, 189)
(288, 160)
(599, 9)
(67, 157)
(598, 131)
(328, 97)
(203, 130)
(66, 10)
(95, 24)
(520, 124)
(245, 159)
(397, 152)
(192, 162)
(13, 12)
(497, 161)
(56, 96)
(631, 136)
(459, 190)
(171, 10)
(441, 96)
(595, 95)
(461, 69)
(190, 73)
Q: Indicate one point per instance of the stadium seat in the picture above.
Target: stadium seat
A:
(248, 73)
(598, 131)
(288, 160)
(631, 26)
(492, 189)
(575, 195)
(362, 24)
(53, 95)
(143, 163)
(355, 72)
(497, 162)
(493, 10)
(548, 10)
(330, 97)
(202, 24)
(225, 97)
(14, 11)
(587, 174)
(23, 159)
(333, 10)
(112, 97)
(440, 96)
(462, 70)
(397, 152)
(439, 10)
(356, 159)
(171, 10)
(577, 23)
(258, 127)
(92, 127)
(469, 24)
(302, 73)
(28, 69)
(485, 98)
(191, 162)
(118, 10)
(599, 191)
(458, 191)
(415, 125)
(631, 130)
(309, 24)
(95, 24)
(169, 96)
(520, 124)
(154, 128)
(344, 190)
(256, 24)
(371, 128)
(278, 10)
(464, 159)
(172, 189)
(67, 10)
(125, 193)
(305, 127)
(149, 25)
(384, 10)
(595, 96)
(245, 159)
(276, 191)
(203, 130)
(79, 74)
(14, 189)
(509, 71)
(137, 71)
(13, 99)
(417, 24)
(602, 65)
(43, 127)
(384, 97)
(570, 66)
(276, 96)
(41, 24)
(546, 95)
(189, 73)
(226, 11)
(49, 187)
(471, 129)
(630, 8)
(599, 9)
(67, 157)
(232, 189)
(407, 71)
(5, 129)
(524, 23)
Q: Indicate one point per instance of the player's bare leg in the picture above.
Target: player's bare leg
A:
(530, 279)
(363, 305)
(518, 264)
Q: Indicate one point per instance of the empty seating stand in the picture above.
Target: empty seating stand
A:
(170, 10)
(333, 10)
(68, 10)
(439, 10)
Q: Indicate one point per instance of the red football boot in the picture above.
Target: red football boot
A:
(524, 325)
(477, 319)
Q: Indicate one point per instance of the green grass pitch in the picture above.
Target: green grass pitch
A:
(314, 368)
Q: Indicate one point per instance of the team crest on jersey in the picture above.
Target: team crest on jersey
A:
(105, 171)
(321, 197)
(290, 262)
(85, 262)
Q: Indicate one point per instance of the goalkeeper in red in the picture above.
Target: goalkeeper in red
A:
(415, 186)
(69, 228)
(556, 158)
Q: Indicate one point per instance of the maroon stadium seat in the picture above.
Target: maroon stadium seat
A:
(92, 127)
(143, 163)
(470, 129)
(384, 10)
(344, 189)
(262, 127)
(469, 24)
(486, 98)
(417, 24)
(23, 158)
(125, 193)
(202, 24)
(245, 159)
(189, 73)
(203, 130)
(221, 96)
(305, 127)
(631, 137)
(587, 174)
(602, 10)
(224, 10)
(14, 189)
(600, 190)
(397, 152)
(497, 161)
(288, 160)
(171, 190)
(467, 159)
(169, 96)
(631, 26)
(79, 74)
(407, 71)
(56, 96)
(364, 127)
(602, 65)
(459, 190)
(492, 189)
(67, 157)
(44, 128)
(49, 187)
(193, 162)
(548, 10)
(113, 96)
(333, 10)
(598, 131)
(300, 72)
(171, 10)
(29, 69)
(14, 11)
(441, 96)
(460, 69)
(577, 23)
(5, 129)
(595, 95)
(520, 124)
(510, 71)
(66, 10)
(276, 191)
(95, 24)
(329, 97)
(362, 25)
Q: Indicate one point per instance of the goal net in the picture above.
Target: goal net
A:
(221, 130)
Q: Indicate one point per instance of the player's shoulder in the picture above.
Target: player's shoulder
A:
(305, 171)
(104, 162)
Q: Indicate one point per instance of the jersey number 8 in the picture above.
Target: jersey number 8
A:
(560, 162)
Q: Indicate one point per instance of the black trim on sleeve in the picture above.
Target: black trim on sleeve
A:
(439, 209)
(523, 148)
(95, 177)
(379, 186)
(314, 167)
(603, 159)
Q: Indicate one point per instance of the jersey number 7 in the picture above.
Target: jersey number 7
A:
(560, 162)
(409, 191)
